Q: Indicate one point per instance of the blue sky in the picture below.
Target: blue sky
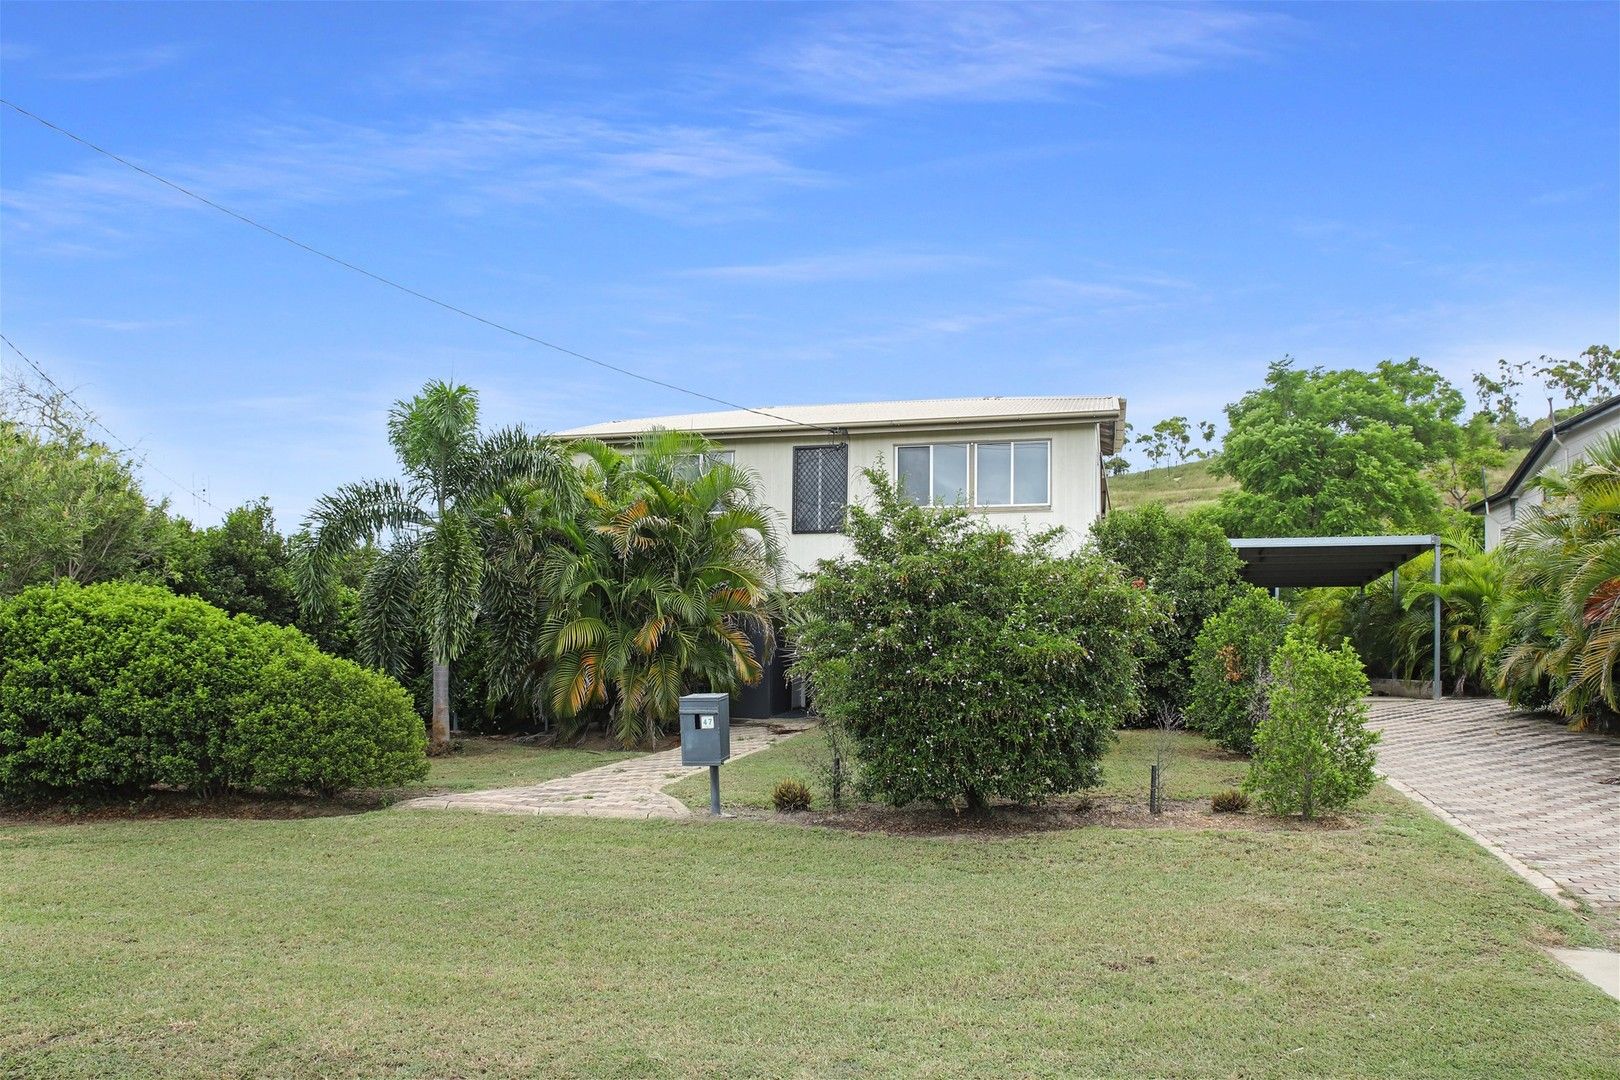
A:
(787, 203)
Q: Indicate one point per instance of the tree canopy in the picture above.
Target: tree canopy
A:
(1338, 452)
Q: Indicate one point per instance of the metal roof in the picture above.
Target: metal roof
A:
(1532, 461)
(1313, 561)
(852, 416)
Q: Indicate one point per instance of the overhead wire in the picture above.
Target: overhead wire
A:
(406, 289)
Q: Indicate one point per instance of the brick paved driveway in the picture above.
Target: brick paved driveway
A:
(1544, 796)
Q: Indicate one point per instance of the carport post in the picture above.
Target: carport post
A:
(1437, 619)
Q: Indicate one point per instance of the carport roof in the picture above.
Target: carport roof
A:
(1312, 561)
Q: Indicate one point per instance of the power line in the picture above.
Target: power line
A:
(406, 289)
(90, 418)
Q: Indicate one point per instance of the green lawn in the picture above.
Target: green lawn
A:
(1193, 769)
(435, 943)
(490, 763)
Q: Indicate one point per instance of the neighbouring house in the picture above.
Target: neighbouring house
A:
(1028, 462)
(1559, 447)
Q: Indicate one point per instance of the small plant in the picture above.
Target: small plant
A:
(790, 797)
(1228, 665)
(1313, 750)
(837, 766)
(1230, 801)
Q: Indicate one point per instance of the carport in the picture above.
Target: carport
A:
(1311, 562)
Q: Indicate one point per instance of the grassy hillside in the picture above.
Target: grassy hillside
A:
(1185, 488)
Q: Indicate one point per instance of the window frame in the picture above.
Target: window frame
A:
(967, 492)
(972, 492)
(1012, 446)
(793, 493)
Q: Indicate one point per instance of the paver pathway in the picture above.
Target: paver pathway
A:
(1536, 794)
(632, 788)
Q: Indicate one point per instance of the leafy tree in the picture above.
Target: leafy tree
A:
(72, 509)
(1313, 749)
(653, 587)
(245, 566)
(1558, 624)
(1117, 466)
(242, 565)
(1461, 477)
(1499, 396)
(1175, 436)
(1591, 377)
(964, 665)
(1318, 452)
(425, 588)
(1156, 446)
(1229, 664)
(1187, 565)
(1206, 431)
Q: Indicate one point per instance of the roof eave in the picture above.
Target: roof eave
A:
(1088, 416)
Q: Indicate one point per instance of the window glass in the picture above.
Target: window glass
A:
(913, 464)
(994, 477)
(1030, 473)
(950, 474)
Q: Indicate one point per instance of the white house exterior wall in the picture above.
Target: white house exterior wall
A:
(1075, 491)
(1571, 447)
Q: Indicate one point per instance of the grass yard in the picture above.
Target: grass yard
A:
(1194, 769)
(434, 943)
(479, 763)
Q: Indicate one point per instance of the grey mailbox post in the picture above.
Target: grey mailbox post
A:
(706, 737)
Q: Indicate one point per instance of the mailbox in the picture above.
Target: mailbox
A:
(705, 729)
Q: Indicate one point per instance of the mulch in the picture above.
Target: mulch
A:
(1006, 821)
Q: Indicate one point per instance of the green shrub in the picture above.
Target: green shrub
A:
(1232, 651)
(1189, 567)
(964, 665)
(116, 688)
(1230, 801)
(790, 797)
(1313, 750)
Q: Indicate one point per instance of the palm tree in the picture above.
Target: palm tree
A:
(1469, 590)
(657, 584)
(1560, 621)
(426, 585)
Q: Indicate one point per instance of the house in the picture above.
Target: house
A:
(1029, 463)
(1558, 447)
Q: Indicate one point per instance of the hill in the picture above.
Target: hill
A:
(1188, 487)
(1183, 488)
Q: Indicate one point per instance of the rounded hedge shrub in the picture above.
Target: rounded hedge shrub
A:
(965, 665)
(1231, 652)
(116, 688)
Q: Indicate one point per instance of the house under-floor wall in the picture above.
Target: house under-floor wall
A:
(1327, 561)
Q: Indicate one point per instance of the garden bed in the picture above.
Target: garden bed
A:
(1009, 820)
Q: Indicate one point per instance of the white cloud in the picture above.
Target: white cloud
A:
(115, 65)
(724, 168)
(1005, 51)
(866, 265)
